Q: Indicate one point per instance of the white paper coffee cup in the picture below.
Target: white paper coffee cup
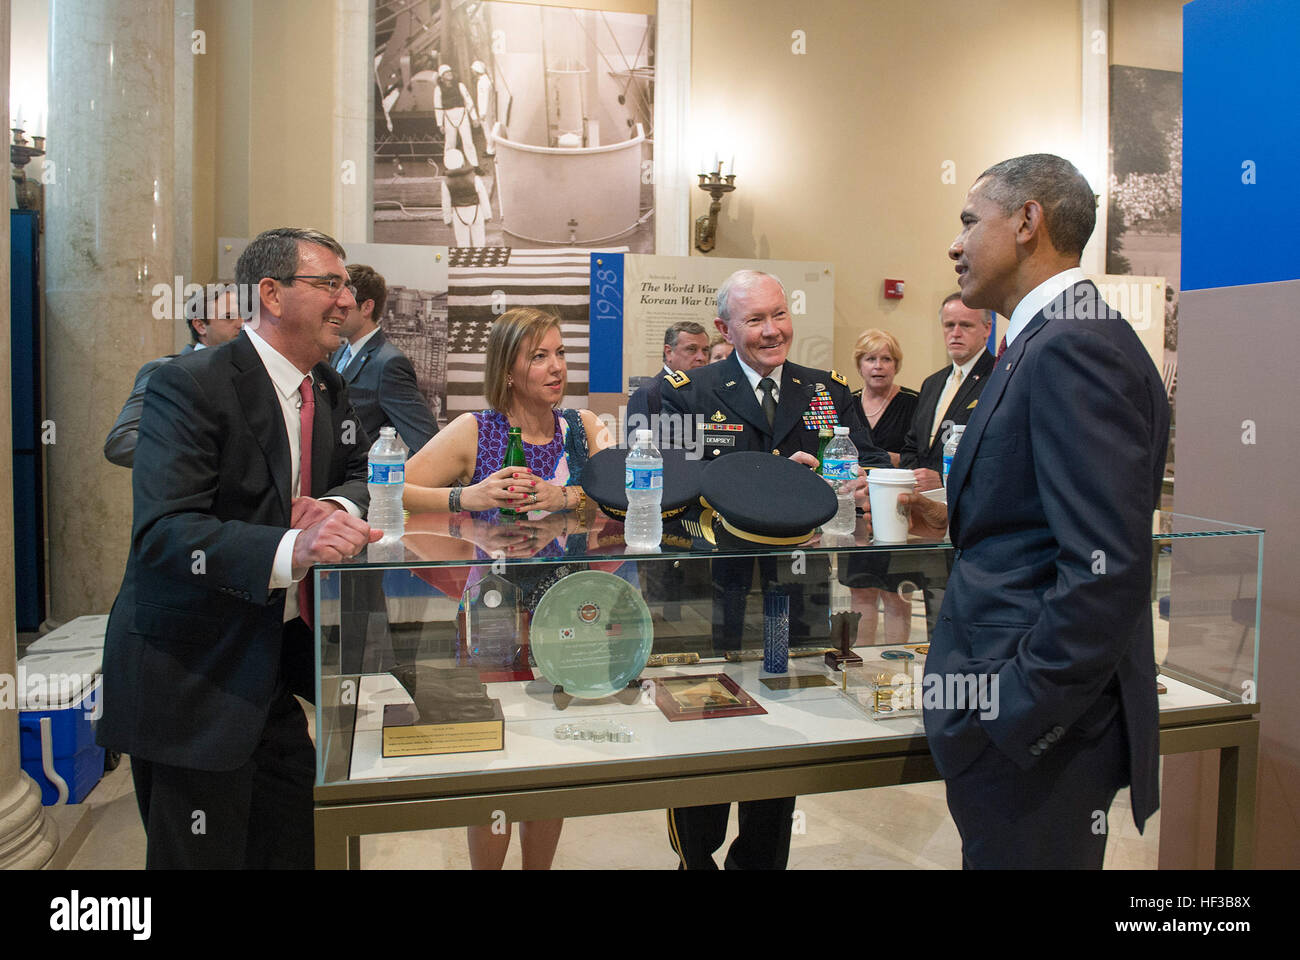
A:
(889, 518)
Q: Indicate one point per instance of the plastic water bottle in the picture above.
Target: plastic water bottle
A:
(386, 479)
(839, 466)
(643, 527)
(950, 448)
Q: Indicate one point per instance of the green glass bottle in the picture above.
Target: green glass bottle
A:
(514, 458)
(824, 435)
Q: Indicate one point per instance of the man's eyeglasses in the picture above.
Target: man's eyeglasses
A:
(326, 281)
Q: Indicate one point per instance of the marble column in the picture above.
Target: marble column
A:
(27, 837)
(109, 271)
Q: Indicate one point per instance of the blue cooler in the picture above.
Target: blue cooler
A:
(64, 688)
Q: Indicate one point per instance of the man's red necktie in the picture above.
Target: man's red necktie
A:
(1002, 347)
(307, 412)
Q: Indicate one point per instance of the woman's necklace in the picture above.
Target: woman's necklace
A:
(883, 403)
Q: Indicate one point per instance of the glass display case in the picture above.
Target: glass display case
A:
(538, 667)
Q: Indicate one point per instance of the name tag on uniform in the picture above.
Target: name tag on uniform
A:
(719, 440)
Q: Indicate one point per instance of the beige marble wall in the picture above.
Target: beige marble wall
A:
(108, 242)
(186, 47)
(27, 838)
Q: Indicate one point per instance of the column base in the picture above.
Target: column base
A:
(28, 838)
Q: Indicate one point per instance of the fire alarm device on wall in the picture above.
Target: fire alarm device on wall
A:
(893, 289)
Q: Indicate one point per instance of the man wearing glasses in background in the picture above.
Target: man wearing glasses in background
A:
(247, 474)
(213, 319)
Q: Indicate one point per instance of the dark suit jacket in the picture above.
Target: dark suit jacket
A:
(119, 447)
(1050, 499)
(193, 648)
(733, 419)
(381, 383)
(917, 450)
(645, 402)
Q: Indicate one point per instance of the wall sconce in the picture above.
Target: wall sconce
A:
(717, 185)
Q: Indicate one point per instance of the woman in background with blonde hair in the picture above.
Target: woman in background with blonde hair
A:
(887, 406)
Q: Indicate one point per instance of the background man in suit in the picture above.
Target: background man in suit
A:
(379, 377)
(1047, 609)
(247, 478)
(757, 399)
(948, 396)
(686, 346)
(213, 318)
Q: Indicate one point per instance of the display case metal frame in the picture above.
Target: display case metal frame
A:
(346, 810)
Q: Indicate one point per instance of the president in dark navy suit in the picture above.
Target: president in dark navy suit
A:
(1040, 687)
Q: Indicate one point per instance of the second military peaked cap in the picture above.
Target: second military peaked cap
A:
(763, 500)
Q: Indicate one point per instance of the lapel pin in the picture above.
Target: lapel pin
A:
(730, 383)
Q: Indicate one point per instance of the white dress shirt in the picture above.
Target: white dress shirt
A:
(942, 407)
(1039, 297)
(754, 377)
(356, 347)
(285, 377)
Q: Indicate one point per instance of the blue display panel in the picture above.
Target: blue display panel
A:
(1241, 142)
(606, 323)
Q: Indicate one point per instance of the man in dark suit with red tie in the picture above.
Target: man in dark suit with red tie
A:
(1039, 691)
(249, 469)
(948, 396)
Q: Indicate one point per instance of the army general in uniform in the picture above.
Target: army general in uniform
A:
(757, 400)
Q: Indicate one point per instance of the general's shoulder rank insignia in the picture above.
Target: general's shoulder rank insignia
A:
(718, 416)
(678, 379)
(839, 378)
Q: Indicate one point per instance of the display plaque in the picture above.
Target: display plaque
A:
(591, 634)
(705, 697)
(449, 712)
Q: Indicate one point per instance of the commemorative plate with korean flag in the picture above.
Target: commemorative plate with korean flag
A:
(591, 634)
